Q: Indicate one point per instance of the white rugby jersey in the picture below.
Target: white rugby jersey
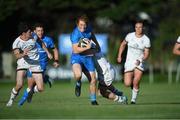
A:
(136, 46)
(29, 44)
(178, 40)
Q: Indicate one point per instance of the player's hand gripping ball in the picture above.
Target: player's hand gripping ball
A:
(83, 42)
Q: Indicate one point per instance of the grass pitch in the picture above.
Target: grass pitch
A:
(158, 100)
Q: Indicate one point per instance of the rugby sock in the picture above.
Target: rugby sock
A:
(114, 90)
(78, 83)
(93, 97)
(36, 89)
(116, 98)
(134, 94)
(28, 90)
(14, 93)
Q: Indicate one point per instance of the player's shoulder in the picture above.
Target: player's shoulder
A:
(16, 43)
(146, 38)
(131, 34)
(75, 33)
(89, 29)
(75, 30)
(47, 38)
(17, 40)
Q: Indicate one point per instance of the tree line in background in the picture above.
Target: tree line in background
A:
(114, 17)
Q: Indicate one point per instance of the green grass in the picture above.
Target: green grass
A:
(158, 101)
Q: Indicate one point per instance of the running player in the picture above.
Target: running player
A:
(43, 58)
(138, 51)
(176, 49)
(26, 53)
(79, 62)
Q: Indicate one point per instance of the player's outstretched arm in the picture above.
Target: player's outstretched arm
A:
(121, 49)
(176, 49)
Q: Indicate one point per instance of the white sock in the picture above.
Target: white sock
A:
(36, 89)
(116, 98)
(134, 94)
(14, 93)
(28, 89)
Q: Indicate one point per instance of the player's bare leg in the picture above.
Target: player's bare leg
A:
(137, 77)
(38, 78)
(77, 75)
(27, 92)
(19, 84)
(128, 78)
(105, 92)
(92, 88)
(31, 85)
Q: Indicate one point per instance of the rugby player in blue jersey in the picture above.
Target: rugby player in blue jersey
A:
(48, 41)
(83, 62)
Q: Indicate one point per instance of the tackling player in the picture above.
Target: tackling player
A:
(138, 51)
(106, 74)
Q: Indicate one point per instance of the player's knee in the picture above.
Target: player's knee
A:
(93, 82)
(127, 84)
(111, 95)
(40, 89)
(104, 93)
(77, 76)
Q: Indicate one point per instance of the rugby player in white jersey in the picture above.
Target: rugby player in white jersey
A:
(176, 49)
(26, 53)
(138, 51)
(106, 74)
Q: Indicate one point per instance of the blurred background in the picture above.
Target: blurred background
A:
(111, 21)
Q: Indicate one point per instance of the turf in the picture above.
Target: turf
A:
(160, 101)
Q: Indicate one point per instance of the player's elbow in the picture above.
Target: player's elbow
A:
(18, 56)
(174, 52)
